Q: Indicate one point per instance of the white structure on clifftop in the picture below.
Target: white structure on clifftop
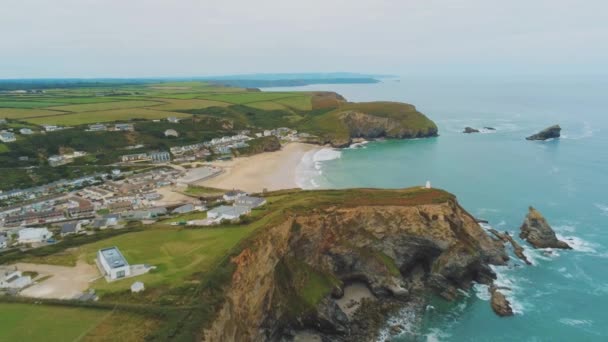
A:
(428, 184)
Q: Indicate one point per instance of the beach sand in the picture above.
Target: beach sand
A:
(270, 170)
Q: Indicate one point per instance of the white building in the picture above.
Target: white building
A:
(7, 136)
(229, 213)
(137, 286)
(171, 133)
(26, 131)
(11, 278)
(232, 195)
(173, 119)
(3, 242)
(112, 263)
(33, 235)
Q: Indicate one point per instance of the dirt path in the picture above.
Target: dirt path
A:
(64, 283)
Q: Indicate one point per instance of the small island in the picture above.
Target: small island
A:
(547, 133)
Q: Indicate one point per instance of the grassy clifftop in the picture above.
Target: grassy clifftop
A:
(370, 120)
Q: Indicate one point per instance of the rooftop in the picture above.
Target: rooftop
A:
(113, 257)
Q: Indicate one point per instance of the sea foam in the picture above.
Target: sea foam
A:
(310, 166)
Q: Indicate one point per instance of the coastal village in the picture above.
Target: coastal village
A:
(165, 192)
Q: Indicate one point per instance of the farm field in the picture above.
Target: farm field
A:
(249, 97)
(20, 113)
(28, 104)
(181, 104)
(74, 119)
(100, 106)
(29, 322)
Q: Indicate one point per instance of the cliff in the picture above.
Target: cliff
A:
(395, 242)
(370, 120)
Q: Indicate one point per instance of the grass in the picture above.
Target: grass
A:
(185, 217)
(20, 113)
(194, 190)
(4, 148)
(105, 116)
(178, 253)
(182, 104)
(267, 105)
(26, 104)
(302, 103)
(248, 97)
(103, 106)
(29, 322)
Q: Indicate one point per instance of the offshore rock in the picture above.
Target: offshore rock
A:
(538, 233)
(547, 133)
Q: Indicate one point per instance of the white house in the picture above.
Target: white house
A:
(32, 235)
(173, 119)
(3, 242)
(7, 136)
(249, 201)
(112, 263)
(230, 213)
(233, 195)
(137, 286)
(26, 131)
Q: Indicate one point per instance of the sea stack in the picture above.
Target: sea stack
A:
(499, 302)
(469, 130)
(547, 133)
(538, 233)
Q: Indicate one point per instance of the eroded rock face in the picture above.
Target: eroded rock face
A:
(285, 280)
(499, 302)
(470, 130)
(368, 126)
(547, 133)
(538, 233)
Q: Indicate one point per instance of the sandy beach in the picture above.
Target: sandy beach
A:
(270, 171)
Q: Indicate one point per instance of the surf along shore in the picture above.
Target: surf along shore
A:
(269, 170)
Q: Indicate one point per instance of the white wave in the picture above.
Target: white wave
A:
(311, 164)
(510, 288)
(565, 273)
(575, 322)
(565, 228)
(603, 208)
(578, 244)
(405, 319)
(436, 335)
(358, 145)
(482, 291)
(587, 132)
(326, 154)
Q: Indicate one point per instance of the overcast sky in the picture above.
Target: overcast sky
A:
(139, 38)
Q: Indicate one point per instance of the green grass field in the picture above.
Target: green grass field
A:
(27, 104)
(248, 97)
(29, 322)
(103, 106)
(19, 113)
(105, 116)
(177, 252)
(4, 148)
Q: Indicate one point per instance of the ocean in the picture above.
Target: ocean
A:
(496, 175)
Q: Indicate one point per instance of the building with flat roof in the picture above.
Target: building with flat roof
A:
(230, 213)
(112, 263)
(249, 201)
(32, 235)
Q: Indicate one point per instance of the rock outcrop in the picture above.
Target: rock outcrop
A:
(539, 233)
(547, 133)
(469, 130)
(499, 302)
(518, 250)
(395, 242)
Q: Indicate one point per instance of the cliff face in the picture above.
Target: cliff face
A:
(289, 275)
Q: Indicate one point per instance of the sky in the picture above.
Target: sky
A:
(186, 38)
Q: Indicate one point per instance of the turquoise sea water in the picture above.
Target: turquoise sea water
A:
(496, 176)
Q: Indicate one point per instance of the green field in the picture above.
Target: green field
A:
(248, 97)
(103, 106)
(27, 104)
(104, 116)
(28, 322)
(19, 113)
(4, 148)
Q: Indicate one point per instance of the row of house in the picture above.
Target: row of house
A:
(156, 157)
(63, 159)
